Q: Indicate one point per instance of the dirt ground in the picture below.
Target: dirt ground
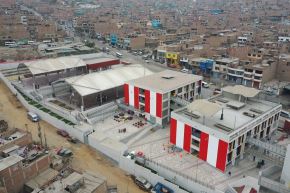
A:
(26, 53)
(85, 158)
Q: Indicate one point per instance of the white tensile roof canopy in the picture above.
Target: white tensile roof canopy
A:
(242, 90)
(204, 107)
(104, 80)
(53, 65)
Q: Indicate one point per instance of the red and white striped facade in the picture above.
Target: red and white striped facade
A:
(211, 149)
(153, 100)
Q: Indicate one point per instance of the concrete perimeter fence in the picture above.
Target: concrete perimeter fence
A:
(112, 153)
(154, 173)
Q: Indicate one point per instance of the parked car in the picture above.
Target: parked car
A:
(33, 117)
(205, 84)
(269, 92)
(65, 152)
(160, 188)
(143, 184)
(72, 139)
(131, 155)
(62, 133)
(217, 91)
(184, 70)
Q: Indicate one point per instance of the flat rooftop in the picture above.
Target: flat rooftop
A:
(165, 81)
(91, 182)
(235, 114)
(9, 161)
(227, 60)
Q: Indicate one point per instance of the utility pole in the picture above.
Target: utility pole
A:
(45, 141)
(26, 127)
(39, 134)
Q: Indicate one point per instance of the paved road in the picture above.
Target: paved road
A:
(128, 57)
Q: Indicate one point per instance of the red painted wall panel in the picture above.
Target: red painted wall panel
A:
(204, 137)
(126, 94)
(222, 155)
(159, 105)
(147, 101)
(287, 126)
(173, 127)
(136, 97)
(103, 64)
(187, 138)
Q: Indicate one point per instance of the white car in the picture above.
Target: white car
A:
(131, 155)
(143, 183)
(205, 84)
(184, 70)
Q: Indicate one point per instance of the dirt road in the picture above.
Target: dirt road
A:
(85, 158)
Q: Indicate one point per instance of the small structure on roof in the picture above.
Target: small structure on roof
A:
(204, 107)
(242, 90)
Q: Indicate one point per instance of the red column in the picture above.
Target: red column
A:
(159, 105)
(173, 126)
(222, 155)
(136, 97)
(187, 138)
(126, 94)
(203, 146)
(147, 101)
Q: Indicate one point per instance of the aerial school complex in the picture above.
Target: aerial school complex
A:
(159, 118)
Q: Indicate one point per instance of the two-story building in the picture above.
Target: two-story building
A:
(217, 130)
(155, 95)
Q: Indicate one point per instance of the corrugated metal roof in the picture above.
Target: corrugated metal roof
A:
(104, 80)
(52, 65)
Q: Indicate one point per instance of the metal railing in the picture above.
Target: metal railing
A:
(180, 101)
(250, 125)
(180, 174)
(276, 149)
(272, 185)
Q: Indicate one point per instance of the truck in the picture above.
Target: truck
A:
(160, 188)
(142, 183)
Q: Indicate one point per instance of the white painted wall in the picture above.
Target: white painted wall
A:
(286, 168)
(114, 152)
(162, 174)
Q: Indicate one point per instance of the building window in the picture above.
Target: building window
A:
(268, 130)
(229, 157)
(263, 124)
(239, 151)
(217, 68)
